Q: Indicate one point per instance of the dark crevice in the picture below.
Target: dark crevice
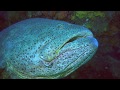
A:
(71, 40)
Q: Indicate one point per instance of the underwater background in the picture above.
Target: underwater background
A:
(105, 25)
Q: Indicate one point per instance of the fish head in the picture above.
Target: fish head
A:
(44, 48)
(68, 52)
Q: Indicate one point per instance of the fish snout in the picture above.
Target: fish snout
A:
(93, 41)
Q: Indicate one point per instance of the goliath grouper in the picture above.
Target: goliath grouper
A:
(44, 48)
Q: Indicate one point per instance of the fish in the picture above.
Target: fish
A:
(41, 48)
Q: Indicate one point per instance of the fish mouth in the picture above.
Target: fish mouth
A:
(78, 62)
(51, 49)
(93, 44)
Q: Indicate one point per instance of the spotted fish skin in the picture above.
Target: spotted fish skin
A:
(45, 48)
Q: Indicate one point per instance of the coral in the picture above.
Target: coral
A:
(97, 21)
(61, 15)
(88, 14)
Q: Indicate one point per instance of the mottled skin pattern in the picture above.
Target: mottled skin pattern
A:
(44, 48)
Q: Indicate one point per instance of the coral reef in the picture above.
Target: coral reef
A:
(92, 20)
(87, 15)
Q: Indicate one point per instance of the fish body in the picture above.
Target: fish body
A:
(45, 48)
